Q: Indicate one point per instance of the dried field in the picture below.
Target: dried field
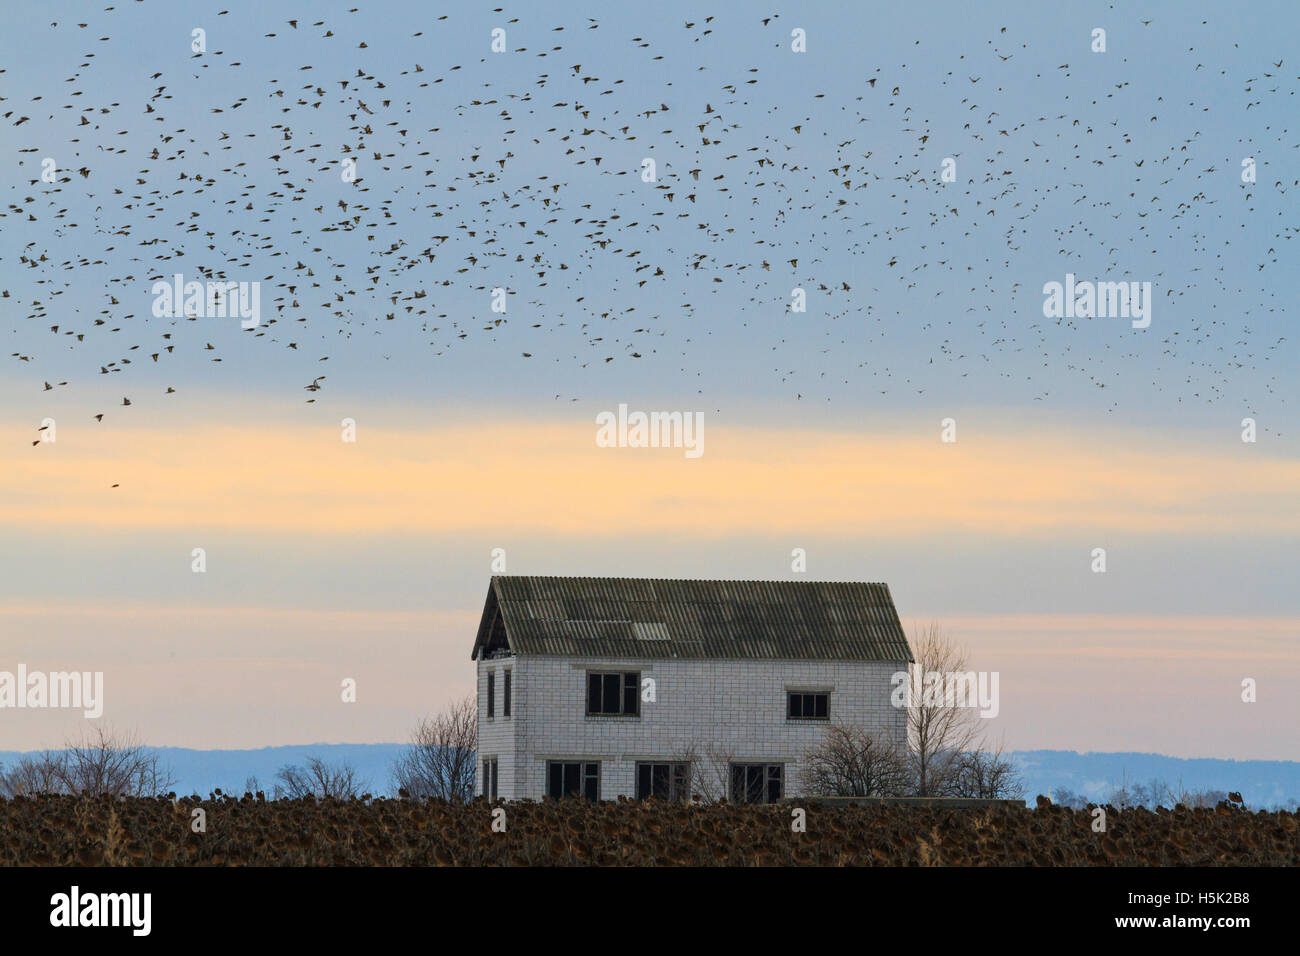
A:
(65, 831)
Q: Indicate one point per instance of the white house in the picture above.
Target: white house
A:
(608, 687)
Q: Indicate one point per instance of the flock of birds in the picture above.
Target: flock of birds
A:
(538, 188)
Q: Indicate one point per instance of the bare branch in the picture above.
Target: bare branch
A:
(440, 763)
(937, 732)
(102, 763)
(317, 779)
(851, 763)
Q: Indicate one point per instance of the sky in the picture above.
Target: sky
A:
(475, 430)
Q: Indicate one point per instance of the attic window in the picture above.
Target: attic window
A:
(650, 631)
(613, 694)
(803, 706)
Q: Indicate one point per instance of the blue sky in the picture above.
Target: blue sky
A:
(737, 347)
(1096, 433)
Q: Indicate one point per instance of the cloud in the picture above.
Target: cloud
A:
(551, 477)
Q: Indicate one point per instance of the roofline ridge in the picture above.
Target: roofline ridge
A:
(629, 577)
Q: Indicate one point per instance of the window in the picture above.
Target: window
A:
(806, 706)
(564, 779)
(663, 781)
(505, 698)
(490, 777)
(755, 782)
(613, 694)
(492, 694)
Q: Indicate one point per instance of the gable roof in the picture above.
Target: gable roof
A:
(677, 618)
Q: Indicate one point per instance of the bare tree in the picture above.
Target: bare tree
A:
(1202, 798)
(937, 731)
(1065, 797)
(1122, 796)
(851, 763)
(985, 774)
(708, 772)
(102, 763)
(1157, 793)
(440, 763)
(317, 779)
(1151, 795)
(32, 775)
(686, 784)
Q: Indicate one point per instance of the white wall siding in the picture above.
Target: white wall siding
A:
(496, 736)
(733, 706)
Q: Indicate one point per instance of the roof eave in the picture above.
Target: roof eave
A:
(491, 608)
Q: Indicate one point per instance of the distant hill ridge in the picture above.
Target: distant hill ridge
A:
(1262, 783)
(202, 771)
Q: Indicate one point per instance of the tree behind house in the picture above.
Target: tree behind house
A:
(947, 743)
(984, 774)
(441, 761)
(937, 733)
(851, 763)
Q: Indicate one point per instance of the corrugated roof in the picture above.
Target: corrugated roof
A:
(666, 618)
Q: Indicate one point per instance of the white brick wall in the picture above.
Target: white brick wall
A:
(734, 706)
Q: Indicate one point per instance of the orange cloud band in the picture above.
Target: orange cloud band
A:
(554, 478)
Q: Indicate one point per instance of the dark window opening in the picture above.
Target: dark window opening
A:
(492, 694)
(490, 777)
(564, 779)
(755, 782)
(663, 781)
(505, 697)
(802, 706)
(614, 694)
